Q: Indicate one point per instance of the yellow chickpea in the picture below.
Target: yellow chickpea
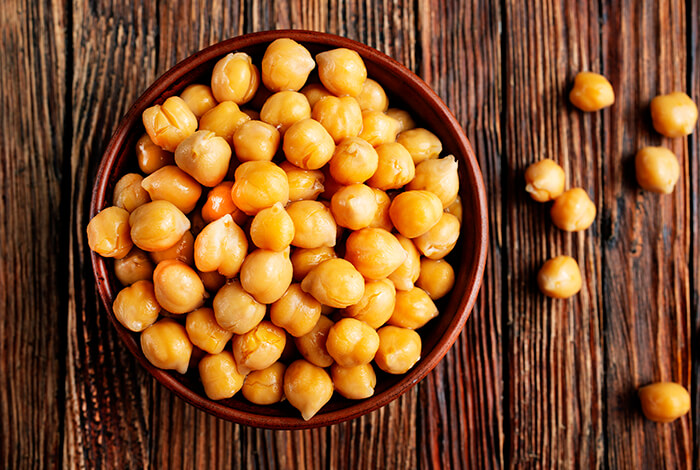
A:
(166, 345)
(399, 349)
(236, 310)
(544, 180)
(314, 92)
(342, 71)
(157, 226)
(221, 246)
(382, 218)
(440, 240)
(335, 282)
(308, 145)
(341, 117)
(354, 161)
(266, 275)
(235, 78)
(219, 203)
(664, 402)
(224, 120)
(312, 345)
(272, 228)
(285, 108)
(674, 115)
(178, 288)
(657, 169)
(266, 386)
(183, 251)
(560, 277)
(150, 156)
(413, 213)
(440, 177)
(395, 167)
(135, 266)
(170, 123)
(305, 259)
(256, 141)
(352, 342)
(378, 128)
(199, 98)
(573, 211)
(259, 348)
(436, 277)
(407, 273)
(303, 184)
(213, 281)
(205, 332)
(172, 184)
(591, 92)
(296, 311)
(376, 305)
(372, 97)
(307, 387)
(204, 156)
(354, 206)
(405, 120)
(455, 209)
(374, 252)
(259, 185)
(128, 193)
(414, 308)
(286, 65)
(220, 376)
(355, 382)
(420, 143)
(314, 225)
(108, 233)
(136, 306)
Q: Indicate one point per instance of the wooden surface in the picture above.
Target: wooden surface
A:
(531, 383)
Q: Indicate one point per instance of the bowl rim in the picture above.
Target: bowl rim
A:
(479, 219)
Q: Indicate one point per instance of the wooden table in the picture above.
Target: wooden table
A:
(531, 382)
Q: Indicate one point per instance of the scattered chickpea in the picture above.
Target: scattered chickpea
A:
(657, 169)
(591, 92)
(236, 310)
(259, 348)
(172, 184)
(439, 176)
(399, 349)
(376, 305)
(157, 226)
(166, 345)
(545, 180)
(335, 282)
(414, 308)
(307, 387)
(256, 140)
(205, 332)
(560, 277)
(128, 193)
(108, 233)
(136, 306)
(220, 375)
(674, 115)
(235, 78)
(573, 211)
(342, 71)
(177, 286)
(436, 277)
(664, 402)
(204, 156)
(135, 266)
(170, 123)
(286, 65)
(150, 156)
(199, 98)
(266, 386)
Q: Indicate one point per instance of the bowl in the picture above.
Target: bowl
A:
(405, 90)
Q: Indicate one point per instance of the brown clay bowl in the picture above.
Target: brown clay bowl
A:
(405, 90)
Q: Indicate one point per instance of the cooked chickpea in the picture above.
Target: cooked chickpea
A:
(259, 348)
(178, 288)
(157, 226)
(170, 123)
(591, 92)
(286, 65)
(341, 117)
(266, 275)
(272, 228)
(166, 345)
(235, 78)
(204, 156)
(381, 217)
(330, 185)
(657, 169)
(405, 120)
(221, 246)
(674, 115)
(341, 71)
(224, 120)
(372, 97)
(314, 92)
(136, 306)
(374, 252)
(172, 184)
(259, 185)
(307, 387)
(335, 282)
(544, 180)
(220, 376)
(213, 281)
(236, 310)
(285, 108)
(128, 193)
(219, 203)
(354, 206)
(305, 259)
(296, 311)
(205, 332)
(266, 386)
(413, 213)
(436, 277)
(440, 177)
(455, 209)
(376, 305)
(352, 342)
(440, 240)
(399, 349)
(573, 211)
(407, 273)
(303, 184)
(420, 143)
(395, 167)
(199, 98)
(183, 251)
(355, 382)
(664, 402)
(312, 345)
(560, 277)
(150, 156)
(256, 141)
(314, 225)
(108, 233)
(135, 266)
(414, 308)
(308, 145)
(378, 128)
(354, 161)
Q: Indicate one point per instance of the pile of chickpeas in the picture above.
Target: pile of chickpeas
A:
(285, 247)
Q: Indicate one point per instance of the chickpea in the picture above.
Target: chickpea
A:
(335, 282)
(204, 156)
(395, 167)
(108, 233)
(381, 217)
(436, 277)
(440, 240)
(376, 305)
(235, 78)
(150, 156)
(399, 349)
(259, 348)
(303, 184)
(341, 117)
(560, 277)
(352, 342)
(341, 71)
(305, 259)
(354, 161)
(272, 228)
(199, 98)
(674, 115)
(455, 209)
(128, 193)
(256, 141)
(219, 203)
(183, 251)
(591, 92)
(405, 120)
(220, 376)
(312, 345)
(354, 206)
(372, 97)
(314, 92)
(266, 275)
(439, 176)
(136, 266)
(136, 306)
(166, 345)
(407, 273)
(664, 402)
(330, 185)
(266, 386)
(170, 123)
(224, 120)
(544, 180)
(378, 128)
(413, 213)
(374, 252)
(236, 310)
(657, 169)
(213, 281)
(178, 288)
(259, 185)
(307, 387)
(286, 65)
(204, 332)
(285, 108)
(172, 184)
(420, 143)
(314, 225)
(157, 226)
(355, 382)
(308, 145)
(573, 211)
(414, 308)
(221, 246)
(296, 311)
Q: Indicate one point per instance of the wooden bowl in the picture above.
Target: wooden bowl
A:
(405, 90)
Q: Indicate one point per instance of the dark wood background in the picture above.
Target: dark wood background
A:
(531, 382)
